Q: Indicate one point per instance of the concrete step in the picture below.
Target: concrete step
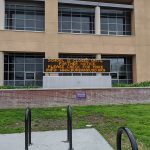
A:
(83, 139)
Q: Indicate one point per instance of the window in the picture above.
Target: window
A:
(24, 16)
(75, 19)
(23, 69)
(115, 22)
(121, 69)
(30, 76)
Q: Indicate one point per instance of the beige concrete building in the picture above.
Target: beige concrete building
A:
(30, 30)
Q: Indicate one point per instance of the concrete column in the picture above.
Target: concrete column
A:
(1, 68)
(51, 55)
(98, 57)
(97, 20)
(2, 14)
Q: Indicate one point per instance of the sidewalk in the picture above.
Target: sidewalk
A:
(83, 139)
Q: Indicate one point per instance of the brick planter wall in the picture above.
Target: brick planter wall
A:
(48, 98)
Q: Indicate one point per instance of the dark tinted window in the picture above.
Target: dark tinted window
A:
(21, 67)
(115, 21)
(25, 16)
(75, 19)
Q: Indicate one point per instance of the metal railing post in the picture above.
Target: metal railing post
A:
(69, 127)
(130, 136)
(68, 124)
(27, 128)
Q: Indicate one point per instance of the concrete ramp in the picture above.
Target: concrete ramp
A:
(83, 139)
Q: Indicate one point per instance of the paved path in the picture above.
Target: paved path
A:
(83, 139)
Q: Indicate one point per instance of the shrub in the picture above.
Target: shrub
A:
(19, 87)
(141, 84)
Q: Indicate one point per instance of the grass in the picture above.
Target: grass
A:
(106, 119)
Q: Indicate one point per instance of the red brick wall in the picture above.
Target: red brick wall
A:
(48, 98)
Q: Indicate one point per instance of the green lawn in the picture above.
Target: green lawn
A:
(106, 119)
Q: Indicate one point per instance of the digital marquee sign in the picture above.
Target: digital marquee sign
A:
(76, 65)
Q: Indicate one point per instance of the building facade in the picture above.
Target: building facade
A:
(118, 30)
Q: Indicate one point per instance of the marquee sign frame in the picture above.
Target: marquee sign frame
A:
(76, 66)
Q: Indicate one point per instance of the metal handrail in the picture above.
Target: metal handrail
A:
(69, 126)
(130, 136)
(27, 128)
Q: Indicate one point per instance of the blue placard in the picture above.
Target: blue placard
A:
(80, 95)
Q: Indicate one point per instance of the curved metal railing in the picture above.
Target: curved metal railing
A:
(69, 126)
(27, 128)
(130, 136)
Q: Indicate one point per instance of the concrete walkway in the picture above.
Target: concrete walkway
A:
(83, 139)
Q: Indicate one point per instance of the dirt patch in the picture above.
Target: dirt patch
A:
(49, 124)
